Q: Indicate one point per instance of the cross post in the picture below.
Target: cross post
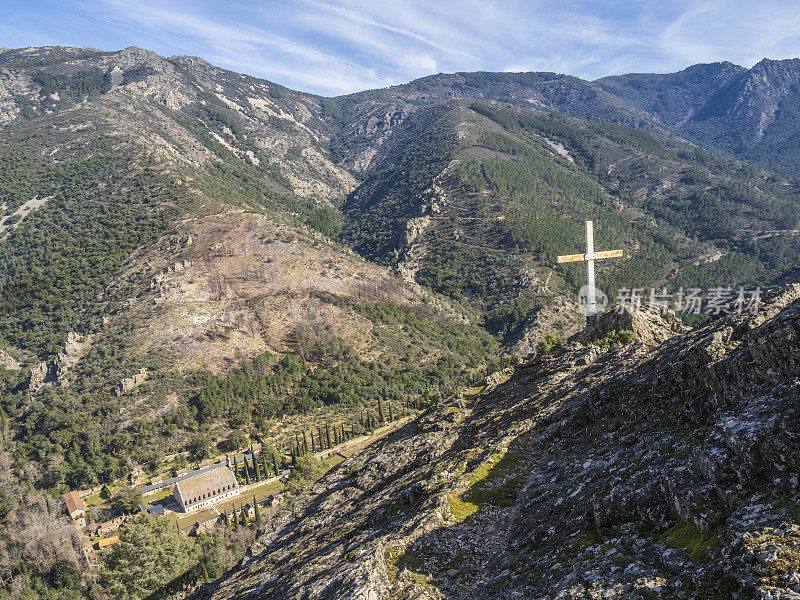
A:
(589, 257)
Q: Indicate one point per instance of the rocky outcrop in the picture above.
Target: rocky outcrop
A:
(624, 473)
(128, 384)
(40, 374)
(7, 361)
(74, 349)
(652, 325)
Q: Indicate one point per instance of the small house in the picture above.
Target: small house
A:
(76, 509)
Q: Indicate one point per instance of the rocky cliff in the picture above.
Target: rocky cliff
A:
(590, 472)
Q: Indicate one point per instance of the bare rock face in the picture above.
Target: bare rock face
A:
(651, 325)
(635, 472)
(128, 384)
(74, 350)
(40, 374)
(7, 361)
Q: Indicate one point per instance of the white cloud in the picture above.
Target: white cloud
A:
(339, 46)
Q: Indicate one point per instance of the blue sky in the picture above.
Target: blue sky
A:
(340, 46)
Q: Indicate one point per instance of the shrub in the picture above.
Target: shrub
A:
(307, 470)
(616, 338)
(550, 342)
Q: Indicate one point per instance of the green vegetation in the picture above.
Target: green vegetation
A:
(616, 338)
(58, 262)
(688, 536)
(518, 195)
(495, 482)
(153, 560)
(264, 389)
(307, 469)
(460, 509)
(327, 221)
(151, 553)
(550, 342)
(127, 499)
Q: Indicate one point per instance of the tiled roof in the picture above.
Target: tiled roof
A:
(208, 483)
(74, 502)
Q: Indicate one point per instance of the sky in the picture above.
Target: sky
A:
(341, 46)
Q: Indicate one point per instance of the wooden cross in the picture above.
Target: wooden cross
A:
(590, 257)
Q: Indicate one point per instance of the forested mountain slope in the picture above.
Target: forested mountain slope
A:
(165, 217)
(479, 200)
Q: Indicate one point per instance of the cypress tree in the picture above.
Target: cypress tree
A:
(246, 471)
(242, 516)
(225, 519)
(256, 469)
(297, 440)
(235, 519)
(253, 466)
(257, 509)
(380, 413)
(391, 416)
(275, 462)
(305, 442)
(328, 434)
(344, 437)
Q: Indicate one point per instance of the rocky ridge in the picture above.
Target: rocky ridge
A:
(590, 472)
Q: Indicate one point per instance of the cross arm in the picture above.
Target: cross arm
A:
(608, 254)
(571, 258)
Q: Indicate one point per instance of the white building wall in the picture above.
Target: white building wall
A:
(206, 502)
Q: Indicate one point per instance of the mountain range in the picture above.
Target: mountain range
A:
(186, 251)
